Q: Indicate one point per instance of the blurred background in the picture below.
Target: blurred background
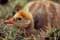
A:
(12, 33)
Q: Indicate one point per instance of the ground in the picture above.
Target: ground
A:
(10, 32)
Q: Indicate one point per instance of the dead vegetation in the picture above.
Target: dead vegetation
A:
(14, 32)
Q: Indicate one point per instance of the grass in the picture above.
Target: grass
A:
(13, 32)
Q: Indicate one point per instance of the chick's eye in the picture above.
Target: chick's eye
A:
(19, 18)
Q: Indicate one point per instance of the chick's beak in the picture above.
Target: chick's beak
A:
(9, 21)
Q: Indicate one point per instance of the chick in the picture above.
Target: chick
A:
(39, 16)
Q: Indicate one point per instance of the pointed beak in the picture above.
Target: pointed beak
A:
(9, 21)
